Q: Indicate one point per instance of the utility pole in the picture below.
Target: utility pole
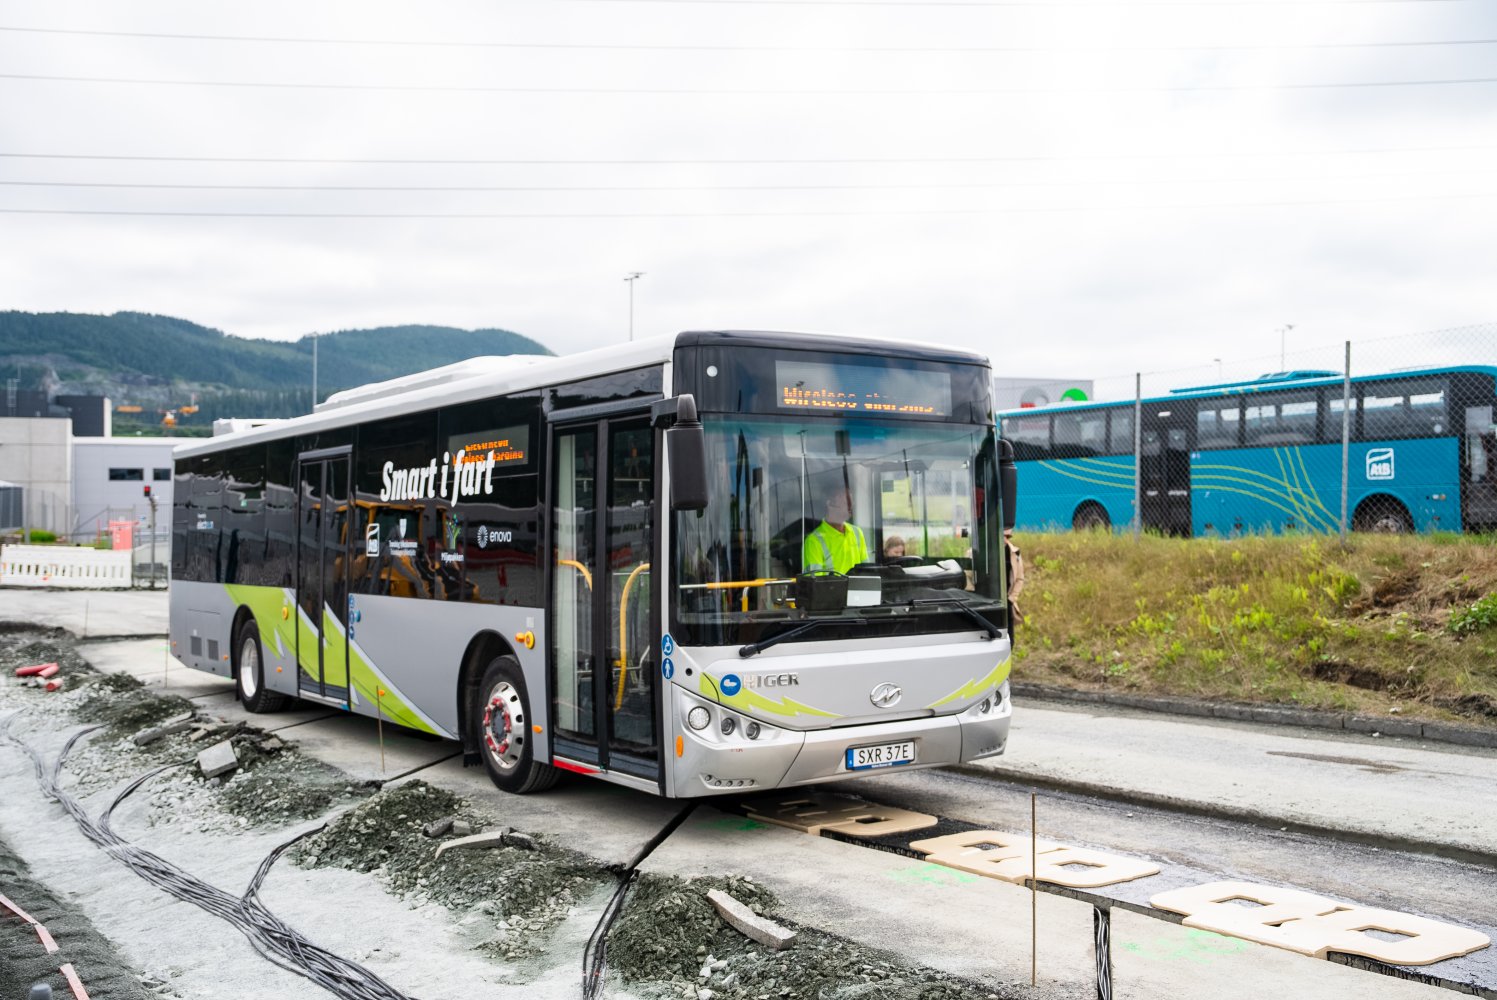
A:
(1283, 336)
(314, 372)
(152, 497)
(631, 278)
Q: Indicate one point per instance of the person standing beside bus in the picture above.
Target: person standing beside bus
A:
(836, 544)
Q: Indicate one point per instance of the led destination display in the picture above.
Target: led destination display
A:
(823, 386)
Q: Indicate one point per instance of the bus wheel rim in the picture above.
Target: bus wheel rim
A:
(504, 726)
(249, 668)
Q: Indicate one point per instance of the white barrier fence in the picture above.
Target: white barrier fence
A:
(64, 566)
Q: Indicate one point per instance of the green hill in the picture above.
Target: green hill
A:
(162, 363)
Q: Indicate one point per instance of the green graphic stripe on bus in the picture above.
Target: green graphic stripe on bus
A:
(367, 681)
(1116, 484)
(749, 701)
(972, 689)
(266, 603)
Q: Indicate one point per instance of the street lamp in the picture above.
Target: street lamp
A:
(1283, 332)
(631, 278)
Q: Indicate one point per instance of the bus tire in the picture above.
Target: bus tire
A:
(1090, 516)
(1382, 515)
(501, 718)
(249, 672)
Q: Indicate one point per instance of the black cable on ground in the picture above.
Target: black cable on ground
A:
(595, 955)
(270, 936)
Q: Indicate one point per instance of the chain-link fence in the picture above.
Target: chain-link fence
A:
(1387, 435)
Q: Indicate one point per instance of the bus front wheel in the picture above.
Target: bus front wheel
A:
(1090, 516)
(249, 674)
(502, 721)
(1383, 516)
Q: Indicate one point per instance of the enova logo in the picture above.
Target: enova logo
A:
(467, 474)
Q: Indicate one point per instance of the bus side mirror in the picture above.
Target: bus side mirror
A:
(1008, 483)
(687, 447)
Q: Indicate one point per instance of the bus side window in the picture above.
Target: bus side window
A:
(1481, 443)
(1218, 423)
(1079, 435)
(1120, 433)
(1030, 437)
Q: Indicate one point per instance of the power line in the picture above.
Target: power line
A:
(758, 161)
(647, 188)
(478, 216)
(1030, 3)
(619, 47)
(746, 91)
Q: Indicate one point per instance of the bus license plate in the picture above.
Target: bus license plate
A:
(880, 755)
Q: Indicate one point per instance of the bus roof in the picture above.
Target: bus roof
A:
(1266, 383)
(477, 378)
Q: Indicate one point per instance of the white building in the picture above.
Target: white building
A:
(36, 454)
(109, 479)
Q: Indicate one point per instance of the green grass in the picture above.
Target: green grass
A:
(1388, 622)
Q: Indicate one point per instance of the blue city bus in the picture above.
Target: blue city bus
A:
(1265, 456)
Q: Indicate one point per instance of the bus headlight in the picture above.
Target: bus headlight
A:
(751, 730)
(699, 718)
(729, 724)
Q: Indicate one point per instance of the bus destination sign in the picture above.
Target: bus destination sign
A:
(828, 387)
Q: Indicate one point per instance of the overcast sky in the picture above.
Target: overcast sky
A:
(1074, 188)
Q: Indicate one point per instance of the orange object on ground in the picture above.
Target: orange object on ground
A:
(33, 670)
(26, 918)
(76, 984)
(50, 670)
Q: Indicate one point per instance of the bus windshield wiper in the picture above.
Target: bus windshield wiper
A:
(802, 629)
(992, 630)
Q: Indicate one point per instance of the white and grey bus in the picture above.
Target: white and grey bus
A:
(594, 563)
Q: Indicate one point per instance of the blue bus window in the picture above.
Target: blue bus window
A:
(1120, 438)
(1030, 436)
(1080, 435)
(1284, 420)
(1218, 423)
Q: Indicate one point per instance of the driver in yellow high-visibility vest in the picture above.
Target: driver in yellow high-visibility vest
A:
(837, 544)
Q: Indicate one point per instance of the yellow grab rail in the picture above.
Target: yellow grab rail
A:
(624, 633)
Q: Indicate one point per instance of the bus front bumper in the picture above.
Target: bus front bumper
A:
(712, 765)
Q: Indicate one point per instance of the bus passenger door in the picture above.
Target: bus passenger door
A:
(322, 566)
(1167, 433)
(603, 639)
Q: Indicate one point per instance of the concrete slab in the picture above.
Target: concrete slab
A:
(150, 662)
(89, 612)
(351, 743)
(1151, 958)
(1432, 793)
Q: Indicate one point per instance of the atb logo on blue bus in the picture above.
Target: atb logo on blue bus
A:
(1380, 463)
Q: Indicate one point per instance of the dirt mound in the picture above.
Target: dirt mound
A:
(517, 893)
(701, 956)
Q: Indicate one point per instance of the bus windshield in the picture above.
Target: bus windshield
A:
(874, 527)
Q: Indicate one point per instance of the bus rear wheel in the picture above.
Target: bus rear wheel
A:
(501, 718)
(249, 673)
(1383, 516)
(1090, 517)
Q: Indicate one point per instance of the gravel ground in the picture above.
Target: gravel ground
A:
(23, 958)
(516, 894)
(703, 958)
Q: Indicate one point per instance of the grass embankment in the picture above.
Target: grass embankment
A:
(1388, 623)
